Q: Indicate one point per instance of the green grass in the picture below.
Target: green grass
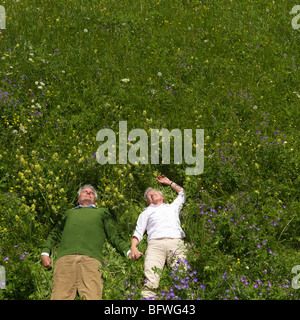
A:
(228, 67)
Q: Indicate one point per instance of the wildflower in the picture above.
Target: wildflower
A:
(159, 74)
(86, 30)
(125, 80)
(224, 275)
(37, 167)
(22, 128)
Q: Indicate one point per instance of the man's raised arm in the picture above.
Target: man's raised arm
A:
(164, 180)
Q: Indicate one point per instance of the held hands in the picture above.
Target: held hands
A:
(135, 254)
(46, 261)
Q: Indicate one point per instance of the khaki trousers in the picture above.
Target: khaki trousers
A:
(77, 273)
(160, 251)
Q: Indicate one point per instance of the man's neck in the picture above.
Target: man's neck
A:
(86, 203)
(157, 204)
(83, 205)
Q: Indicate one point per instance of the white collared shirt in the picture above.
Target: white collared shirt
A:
(161, 221)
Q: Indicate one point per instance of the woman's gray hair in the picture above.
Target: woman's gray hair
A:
(87, 186)
(148, 190)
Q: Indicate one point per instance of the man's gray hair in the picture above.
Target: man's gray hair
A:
(148, 190)
(88, 186)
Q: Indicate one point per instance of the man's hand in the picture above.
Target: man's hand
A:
(135, 254)
(46, 261)
(163, 179)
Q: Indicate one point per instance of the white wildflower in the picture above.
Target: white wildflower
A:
(22, 128)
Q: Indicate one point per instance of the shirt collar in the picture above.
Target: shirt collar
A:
(156, 205)
(89, 206)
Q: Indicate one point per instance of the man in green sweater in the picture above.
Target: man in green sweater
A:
(81, 234)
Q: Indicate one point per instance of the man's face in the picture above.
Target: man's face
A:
(154, 197)
(87, 196)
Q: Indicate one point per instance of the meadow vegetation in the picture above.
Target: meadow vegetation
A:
(71, 68)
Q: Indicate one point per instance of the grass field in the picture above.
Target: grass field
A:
(71, 68)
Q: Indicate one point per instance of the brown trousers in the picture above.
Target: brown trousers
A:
(77, 273)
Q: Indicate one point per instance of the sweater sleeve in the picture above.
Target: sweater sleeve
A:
(113, 236)
(54, 236)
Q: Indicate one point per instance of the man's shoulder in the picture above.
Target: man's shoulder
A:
(146, 211)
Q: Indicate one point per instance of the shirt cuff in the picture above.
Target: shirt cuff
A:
(128, 253)
(45, 254)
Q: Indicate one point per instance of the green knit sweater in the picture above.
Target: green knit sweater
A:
(84, 231)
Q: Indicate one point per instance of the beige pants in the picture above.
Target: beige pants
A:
(160, 251)
(74, 273)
